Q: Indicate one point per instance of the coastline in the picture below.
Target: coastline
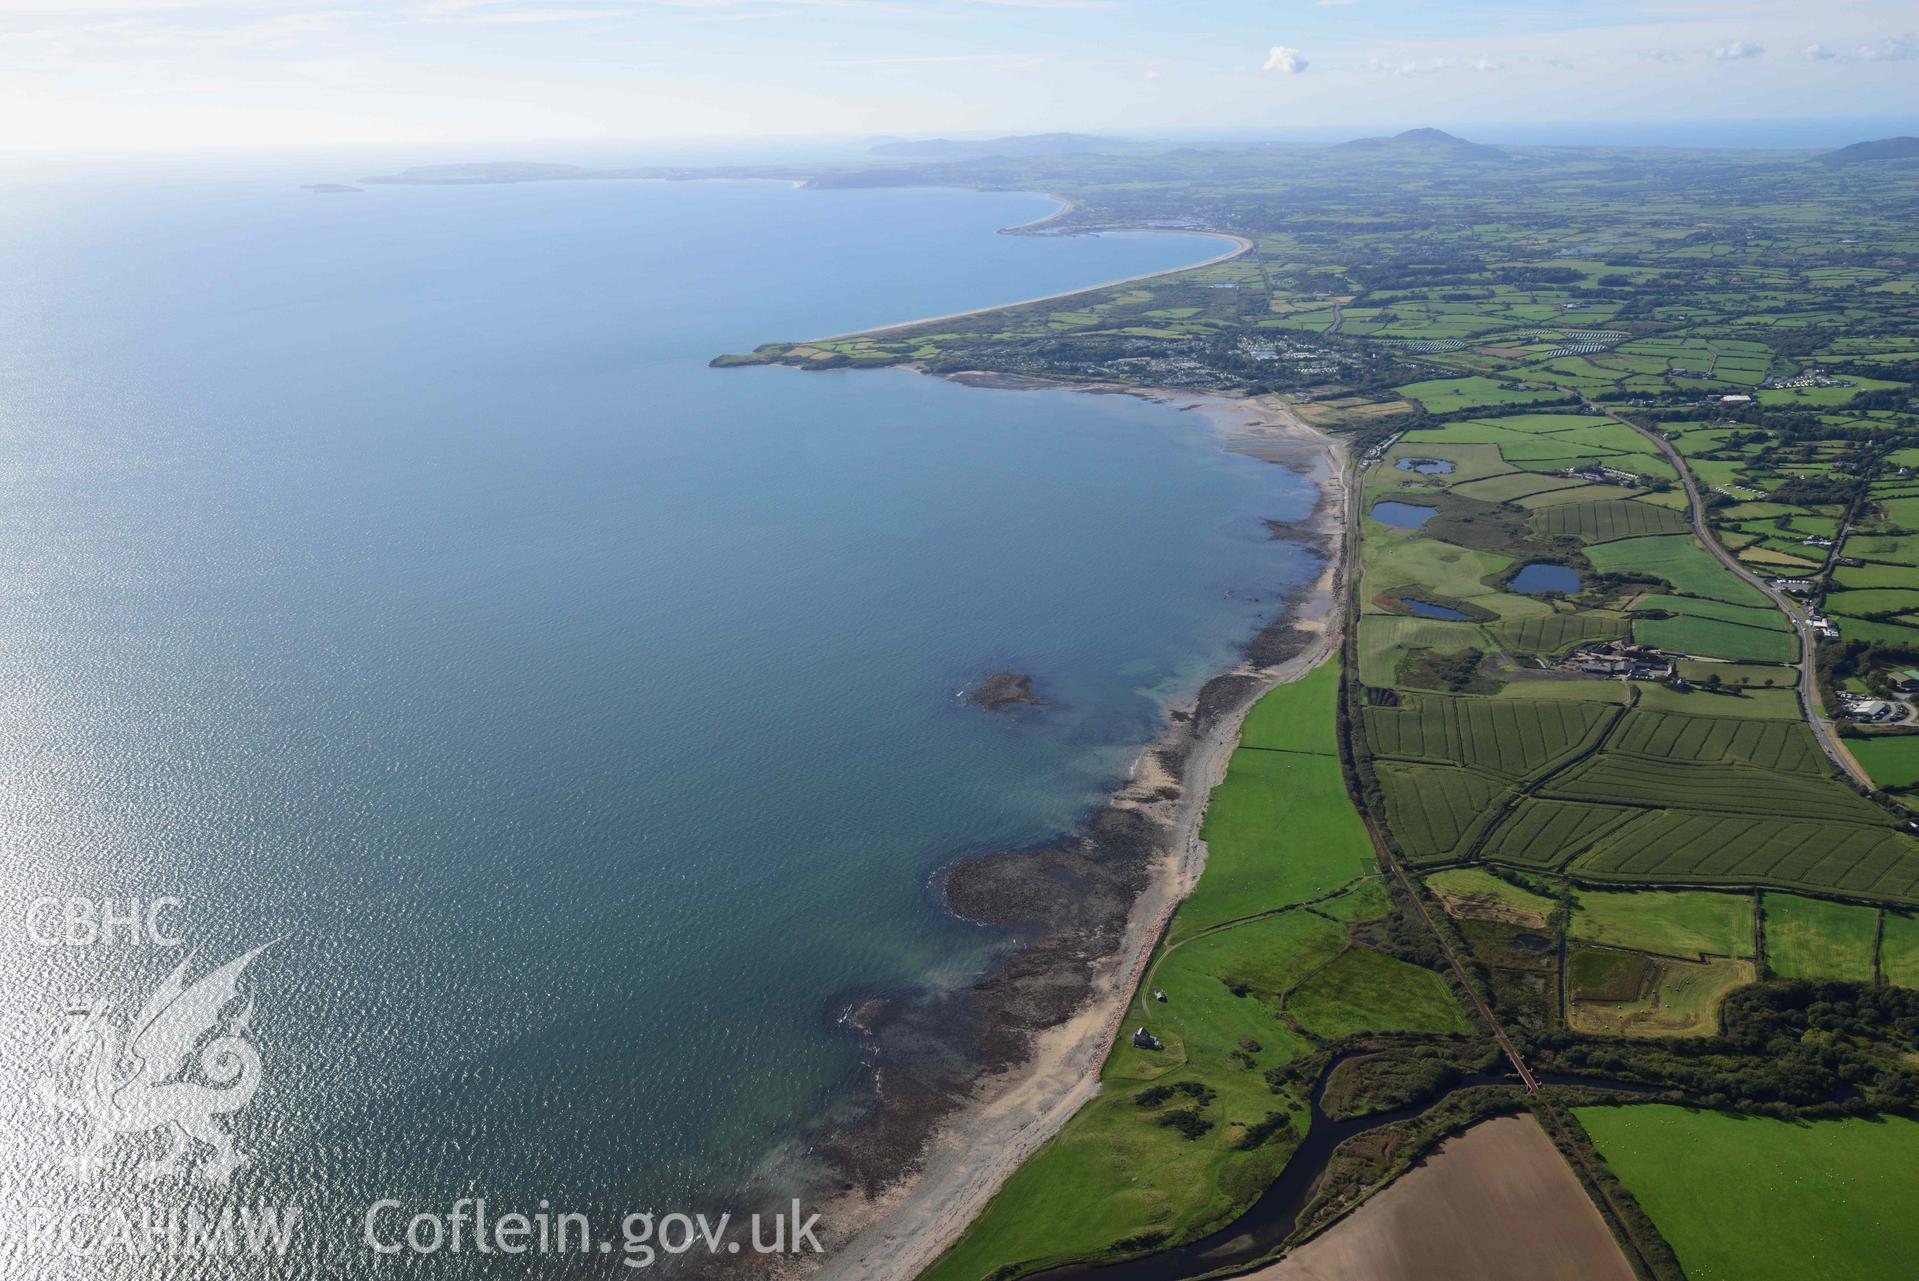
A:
(1241, 245)
(1088, 913)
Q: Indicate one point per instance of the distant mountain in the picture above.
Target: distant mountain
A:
(1030, 144)
(1428, 144)
(1879, 149)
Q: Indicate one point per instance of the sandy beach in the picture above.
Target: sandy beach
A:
(895, 1234)
(1240, 245)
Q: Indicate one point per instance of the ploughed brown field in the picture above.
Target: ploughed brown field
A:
(1498, 1203)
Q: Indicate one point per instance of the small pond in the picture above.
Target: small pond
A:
(1425, 466)
(1543, 576)
(1402, 515)
(1426, 609)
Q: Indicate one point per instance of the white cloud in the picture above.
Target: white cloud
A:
(1902, 48)
(1286, 61)
(1739, 50)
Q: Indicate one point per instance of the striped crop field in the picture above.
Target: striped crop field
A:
(1496, 736)
(1504, 489)
(1551, 633)
(1603, 522)
(1714, 786)
(1550, 834)
(1709, 849)
(1773, 745)
(1436, 812)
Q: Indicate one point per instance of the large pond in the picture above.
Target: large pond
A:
(1402, 515)
(1541, 577)
(1425, 466)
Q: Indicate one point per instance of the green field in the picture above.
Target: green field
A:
(1681, 562)
(1766, 618)
(1294, 717)
(1709, 638)
(1740, 674)
(1899, 949)
(1810, 938)
(1444, 395)
(1365, 990)
(1876, 575)
(1394, 561)
(1083, 1191)
(1754, 1199)
(1279, 830)
(1473, 891)
(1686, 923)
(1750, 703)
(1890, 760)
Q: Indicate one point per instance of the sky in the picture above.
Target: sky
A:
(157, 74)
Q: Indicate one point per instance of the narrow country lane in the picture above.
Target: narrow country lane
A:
(1808, 645)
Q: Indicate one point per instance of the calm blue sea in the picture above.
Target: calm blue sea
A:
(386, 576)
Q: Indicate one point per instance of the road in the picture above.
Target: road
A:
(1808, 643)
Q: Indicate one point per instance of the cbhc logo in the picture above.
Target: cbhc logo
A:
(86, 922)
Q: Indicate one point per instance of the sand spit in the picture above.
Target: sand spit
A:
(1031, 1034)
(1240, 245)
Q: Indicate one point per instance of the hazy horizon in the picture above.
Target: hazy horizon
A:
(145, 74)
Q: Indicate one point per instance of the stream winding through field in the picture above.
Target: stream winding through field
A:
(1257, 1234)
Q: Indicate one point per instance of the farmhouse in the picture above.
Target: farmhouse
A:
(1621, 659)
(1797, 586)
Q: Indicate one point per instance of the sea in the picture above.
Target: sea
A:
(534, 738)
